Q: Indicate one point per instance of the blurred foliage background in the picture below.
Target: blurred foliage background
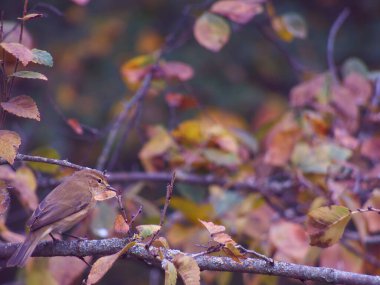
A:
(90, 43)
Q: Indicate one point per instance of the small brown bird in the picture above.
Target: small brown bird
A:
(62, 208)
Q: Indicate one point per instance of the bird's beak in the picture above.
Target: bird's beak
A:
(109, 187)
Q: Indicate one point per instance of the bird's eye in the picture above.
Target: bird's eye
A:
(99, 180)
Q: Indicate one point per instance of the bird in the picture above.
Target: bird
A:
(61, 209)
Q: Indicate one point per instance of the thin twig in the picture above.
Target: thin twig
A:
(133, 217)
(205, 262)
(169, 193)
(121, 118)
(255, 253)
(331, 41)
(24, 11)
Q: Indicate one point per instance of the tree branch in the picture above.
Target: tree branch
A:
(212, 263)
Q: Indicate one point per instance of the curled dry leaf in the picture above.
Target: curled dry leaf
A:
(9, 144)
(19, 51)
(103, 264)
(22, 106)
(240, 12)
(326, 225)
(31, 16)
(188, 269)
(170, 272)
(211, 31)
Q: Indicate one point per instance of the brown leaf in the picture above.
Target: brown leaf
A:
(211, 31)
(170, 272)
(177, 70)
(67, 269)
(340, 258)
(75, 126)
(120, 227)
(240, 12)
(31, 16)
(217, 233)
(359, 86)
(281, 141)
(231, 250)
(188, 269)
(22, 106)
(4, 199)
(371, 148)
(290, 239)
(212, 228)
(9, 143)
(19, 51)
(25, 185)
(104, 264)
(306, 92)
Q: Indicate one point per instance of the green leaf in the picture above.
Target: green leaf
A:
(318, 159)
(295, 24)
(42, 57)
(147, 230)
(29, 75)
(326, 225)
(47, 152)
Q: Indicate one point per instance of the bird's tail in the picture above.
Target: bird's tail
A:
(25, 250)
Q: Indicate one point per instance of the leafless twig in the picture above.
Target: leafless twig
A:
(169, 193)
(331, 41)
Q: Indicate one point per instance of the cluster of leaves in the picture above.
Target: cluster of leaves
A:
(311, 162)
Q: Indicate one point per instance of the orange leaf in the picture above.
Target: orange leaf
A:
(120, 227)
(22, 106)
(75, 126)
(9, 143)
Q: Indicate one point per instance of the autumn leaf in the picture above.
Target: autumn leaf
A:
(217, 233)
(240, 12)
(22, 106)
(25, 185)
(4, 199)
(290, 240)
(75, 126)
(170, 272)
(188, 269)
(233, 252)
(177, 70)
(120, 227)
(29, 75)
(19, 51)
(47, 152)
(104, 264)
(42, 57)
(211, 31)
(31, 16)
(326, 225)
(9, 144)
(146, 231)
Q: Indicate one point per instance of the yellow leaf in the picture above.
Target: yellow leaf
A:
(170, 272)
(147, 230)
(326, 225)
(188, 269)
(47, 152)
(191, 210)
(189, 133)
(9, 143)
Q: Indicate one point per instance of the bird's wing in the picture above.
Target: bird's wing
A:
(60, 203)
